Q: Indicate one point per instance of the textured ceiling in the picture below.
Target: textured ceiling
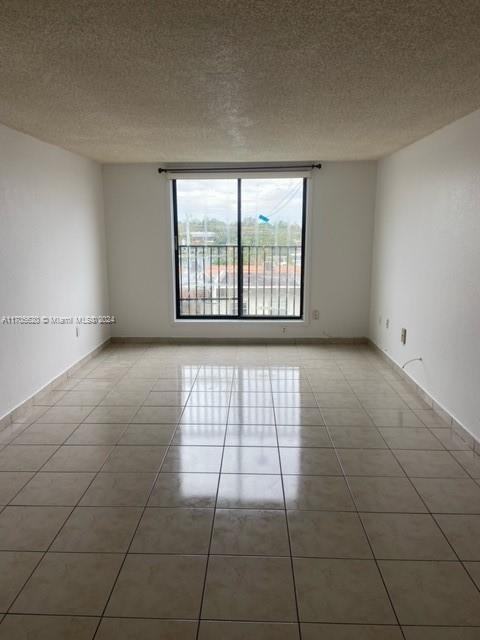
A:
(247, 80)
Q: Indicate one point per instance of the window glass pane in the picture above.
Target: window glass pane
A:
(271, 221)
(272, 216)
(207, 247)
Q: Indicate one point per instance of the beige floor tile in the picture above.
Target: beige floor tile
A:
(282, 385)
(309, 461)
(301, 416)
(243, 491)
(30, 528)
(473, 569)
(122, 398)
(18, 627)
(251, 415)
(167, 399)
(250, 460)
(324, 493)
(450, 440)
(15, 569)
(295, 436)
(251, 399)
(10, 484)
(147, 434)
(400, 438)
(172, 384)
(66, 414)
(449, 496)
(159, 586)
(345, 400)
(130, 384)
(192, 459)
(185, 490)
(289, 399)
(54, 489)
(213, 630)
(251, 435)
(430, 464)
(98, 530)
(111, 414)
(346, 418)
(209, 399)
(218, 385)
(369, 462)
(204, 415)
(142, 629)
(173, 530)
(357, 438)
(327, 535)
(99, 434)
(69, 584)
(165, 415)
(47, 398)
(77, 398)
(431, 419)
(25, 457)
(119, 490)
(249, 588)
(212, 435)
(431, 593)
(91, 384)
(44, 433)
(470, 461)
(250, 532)
(78, 458)
(139, 458)
(441, 633)
(372, 401)
(406, 536)
(312, 631)
(325, 385)
(395, 418)
(348, 591)
(385, 494)
(463, 533)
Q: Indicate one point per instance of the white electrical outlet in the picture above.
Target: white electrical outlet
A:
(387, 323)
(316, 314)
(284, 329)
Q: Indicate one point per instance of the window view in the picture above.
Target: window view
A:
(239, 247)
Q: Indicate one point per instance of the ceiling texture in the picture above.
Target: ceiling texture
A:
(237, 80)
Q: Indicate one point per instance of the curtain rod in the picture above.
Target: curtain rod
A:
(302, 167)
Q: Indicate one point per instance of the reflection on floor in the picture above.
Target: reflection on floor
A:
(242, 492)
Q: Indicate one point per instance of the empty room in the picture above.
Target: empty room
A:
(239, 320)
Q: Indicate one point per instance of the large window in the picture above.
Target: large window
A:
(239, 247)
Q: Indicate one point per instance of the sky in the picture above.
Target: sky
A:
(279, 199)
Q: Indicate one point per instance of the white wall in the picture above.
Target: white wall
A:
(137, 201)
(426, 269)
(52, 261)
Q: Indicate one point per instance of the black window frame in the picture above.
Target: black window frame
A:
(239, 315)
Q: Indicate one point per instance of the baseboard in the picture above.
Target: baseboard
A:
(17, 413)
(226, 341)
(447, 417)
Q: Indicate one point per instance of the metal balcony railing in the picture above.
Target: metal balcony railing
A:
(270, 282)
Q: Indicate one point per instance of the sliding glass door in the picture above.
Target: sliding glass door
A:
(239, 247)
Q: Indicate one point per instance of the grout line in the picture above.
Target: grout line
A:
(213, 523)
(292, 567)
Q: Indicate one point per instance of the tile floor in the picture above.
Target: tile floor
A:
(241, 492)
